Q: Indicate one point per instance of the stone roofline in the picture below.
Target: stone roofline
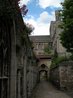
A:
(40, 38)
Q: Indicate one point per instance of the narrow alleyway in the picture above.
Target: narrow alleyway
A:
(47, 90)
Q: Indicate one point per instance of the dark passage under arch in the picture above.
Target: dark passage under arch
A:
(42, 75)
(43, 72)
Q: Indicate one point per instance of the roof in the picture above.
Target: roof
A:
(42, 38)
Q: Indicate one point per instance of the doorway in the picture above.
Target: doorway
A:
(42, 75)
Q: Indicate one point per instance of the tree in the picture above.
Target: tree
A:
(10, 8)
(67, 25)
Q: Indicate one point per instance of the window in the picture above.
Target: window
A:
(40, 46)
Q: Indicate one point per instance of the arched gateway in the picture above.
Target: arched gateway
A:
(40, 44)
(43, 72)
(43, 68)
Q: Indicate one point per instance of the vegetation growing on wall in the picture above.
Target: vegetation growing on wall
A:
(57, 59)
(47, 50)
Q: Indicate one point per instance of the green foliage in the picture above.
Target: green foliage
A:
(57, 60)
(67, 25)
(5, 8)
(10, 8)
(71, 57)
(47, 50)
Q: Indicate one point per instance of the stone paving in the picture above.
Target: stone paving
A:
(46, 90)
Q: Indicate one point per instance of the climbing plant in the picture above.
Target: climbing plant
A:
(47, 50)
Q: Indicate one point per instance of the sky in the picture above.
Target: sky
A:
(40, 14)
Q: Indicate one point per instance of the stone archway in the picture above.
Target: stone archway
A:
(43, 75)
(43, 72)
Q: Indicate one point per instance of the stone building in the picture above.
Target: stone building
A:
(40, 43)
(17, 61)
(61, 73)
(55, 32)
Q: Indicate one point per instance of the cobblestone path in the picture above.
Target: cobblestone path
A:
(46, 90)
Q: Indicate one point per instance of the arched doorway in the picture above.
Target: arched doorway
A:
(43, 75)
(43, 72)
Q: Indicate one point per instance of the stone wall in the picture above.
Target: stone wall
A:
(26, 61)
(62, 75)
(54, 77)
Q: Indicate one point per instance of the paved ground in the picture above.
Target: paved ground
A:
(46, 90)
